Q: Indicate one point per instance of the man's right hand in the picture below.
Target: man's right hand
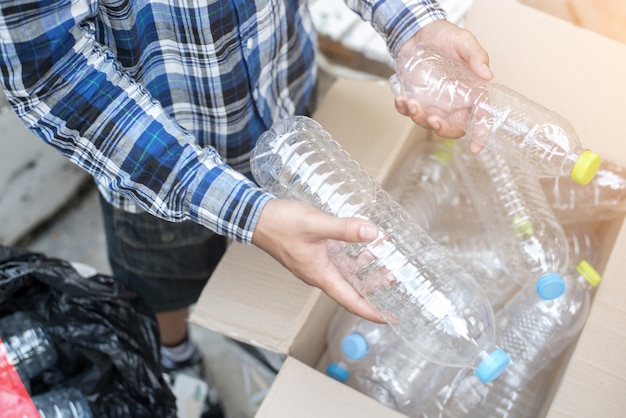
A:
(297, 235)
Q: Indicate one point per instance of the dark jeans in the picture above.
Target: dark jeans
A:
(168, 263)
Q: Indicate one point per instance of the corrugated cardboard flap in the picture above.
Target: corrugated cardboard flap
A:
(301, 392)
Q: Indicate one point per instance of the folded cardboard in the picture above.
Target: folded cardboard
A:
(572, 71)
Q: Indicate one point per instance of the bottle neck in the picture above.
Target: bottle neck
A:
(571, 157)
(584, 283)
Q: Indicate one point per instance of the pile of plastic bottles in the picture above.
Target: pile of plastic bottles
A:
(484, 265)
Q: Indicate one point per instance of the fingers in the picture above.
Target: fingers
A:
(412, 109)
(342, 292)
(478, 61)
(347, 229)
(443, 128)
(469, 50)
(475, 147)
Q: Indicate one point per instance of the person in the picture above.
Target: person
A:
(162, 102)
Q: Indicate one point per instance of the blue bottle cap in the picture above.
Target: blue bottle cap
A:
(550, 286)
(492, 366)
(354, 346)
(337, 372)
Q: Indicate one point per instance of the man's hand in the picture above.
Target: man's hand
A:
(297, 235)
(456, 43)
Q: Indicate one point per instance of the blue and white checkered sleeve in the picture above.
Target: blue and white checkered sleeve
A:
(397, 20)
(71, 92)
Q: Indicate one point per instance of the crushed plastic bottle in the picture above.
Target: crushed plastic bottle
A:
(518, 219)
(430, 301)
(502, 120)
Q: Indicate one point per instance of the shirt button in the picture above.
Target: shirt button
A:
(250, 43)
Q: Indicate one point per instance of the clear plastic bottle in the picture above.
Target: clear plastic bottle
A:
(428, 299)
(30, 349)
(379, 364)
(460, 395)
(390, 371)
(535, 332)
(519, 221)
(521, 131)
(584, 243)
(63, 403)
(602, 199)
(340, 366)
(470, 246)
(425, 180)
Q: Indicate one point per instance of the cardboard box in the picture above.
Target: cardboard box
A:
(606, 17)
(572, 71)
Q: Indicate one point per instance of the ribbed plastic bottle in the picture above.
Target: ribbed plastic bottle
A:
(459, 396)
(602, 199)
(425, 180)
(433, 304)
(470, 246)
(379, 364)
(519, 221)
(389, 371)
(63, 403)
(516, 128)
(30, 349)
(340, 366)
(535, 332)
(584, 243)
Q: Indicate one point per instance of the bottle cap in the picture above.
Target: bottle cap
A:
(492, 366)
(337, 372)
(589, 273)
(444, 152)
(586, 167)
(550, 286)
(523, 227)
(354, 346)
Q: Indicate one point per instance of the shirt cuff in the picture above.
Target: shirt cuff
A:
(228, 203)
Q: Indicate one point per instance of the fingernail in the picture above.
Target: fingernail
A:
(368, 232)
(412, 109)
(487, 70)
(475, 147)
(435, 125)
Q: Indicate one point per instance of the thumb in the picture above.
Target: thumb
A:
(475, 56)
(348, 229)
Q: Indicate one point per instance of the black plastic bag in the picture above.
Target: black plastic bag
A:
(106, 336)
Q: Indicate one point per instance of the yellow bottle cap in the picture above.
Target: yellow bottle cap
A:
(523, 227)
(586, 167)
(444, 152)
(589, 273)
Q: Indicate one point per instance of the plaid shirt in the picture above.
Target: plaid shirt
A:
(162, 101)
